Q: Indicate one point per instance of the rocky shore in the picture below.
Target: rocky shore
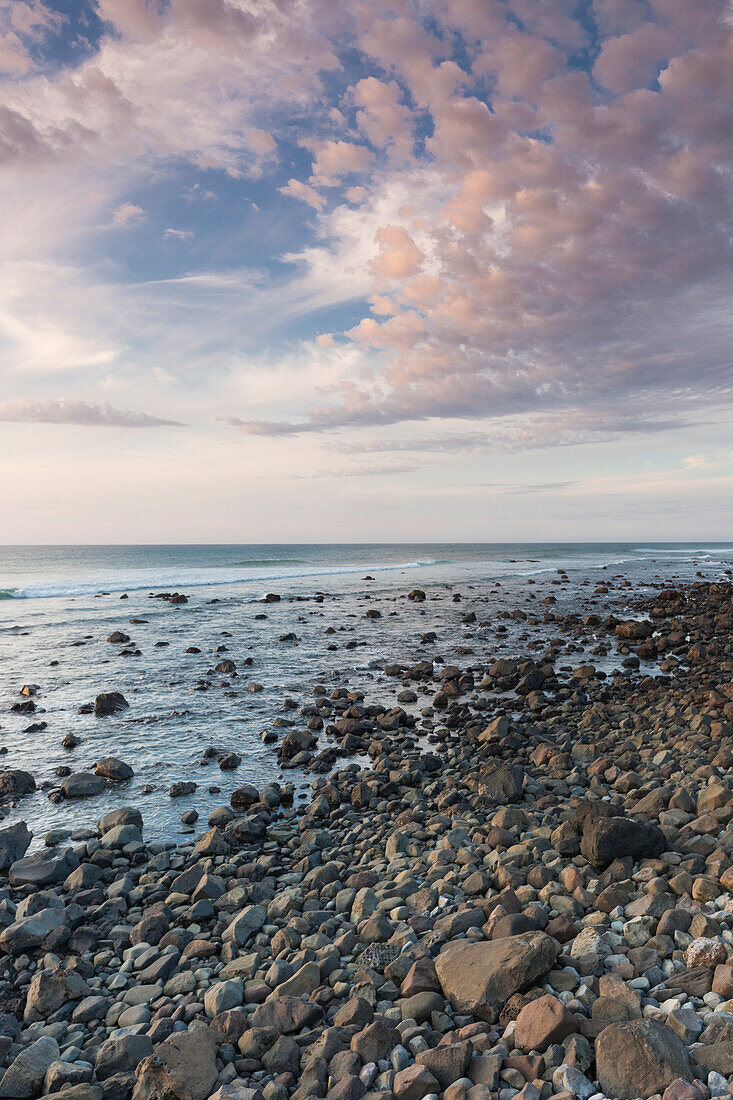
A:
(527, 892)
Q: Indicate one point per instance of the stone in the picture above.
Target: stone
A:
(608, 838)
(447, 1063)
(723, 980)
(543, 1022)
(14, 843)
(639, 1059)
(503, 784)
(43, 869)
(15, 783)
(82, 785)
(121, 835)
(376, 1041)
(245, 925)
(109, 702)
(286, 1014)
(24, 1077)
(479, 978)
(413, 1083)
(109, 767)
(570, 1080)
(223, 995)
(183, 1067)
(29, 932)
(680, 1089)
(705, 952)
(121, 1054)
(126, 815)
(50, 989)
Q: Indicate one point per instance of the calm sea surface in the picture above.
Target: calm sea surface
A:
(59, 604)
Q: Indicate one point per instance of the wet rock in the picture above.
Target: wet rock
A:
(109, 767)
(82, 785)
(109, 702)
(15, 783)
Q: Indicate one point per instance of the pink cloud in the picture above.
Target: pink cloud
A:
(398, 257)
(383, 117)
(334, 159)
(304, 192)
(66, 411)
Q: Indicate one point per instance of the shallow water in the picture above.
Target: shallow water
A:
(54, 626)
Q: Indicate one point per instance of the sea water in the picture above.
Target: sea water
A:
(58, 605)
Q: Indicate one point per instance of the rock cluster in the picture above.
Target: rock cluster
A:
(542, 906)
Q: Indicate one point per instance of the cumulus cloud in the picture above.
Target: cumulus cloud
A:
(127, 213)
(82, 413)
(535, 205)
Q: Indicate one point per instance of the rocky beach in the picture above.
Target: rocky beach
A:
(511, 877)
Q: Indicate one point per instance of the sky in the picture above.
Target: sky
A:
(366, 270)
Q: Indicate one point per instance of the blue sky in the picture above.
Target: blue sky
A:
(355, 270)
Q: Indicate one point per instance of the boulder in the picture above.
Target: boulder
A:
(639, 1058)
(82, 785)
(109, 767)
(121, 1054)
(502, 784)
(183, 1067)
(543, 1022)
(286, 1014)
(109, 702)
(126, 815)
(29, 932)
(15, 783)
(413, 1082)
(479, 978)
(447, 1063)
(25, 1075)
(121, 835)
(44, 868)
(245, 925)
(14, 842)
(608, 838)
(50, 989)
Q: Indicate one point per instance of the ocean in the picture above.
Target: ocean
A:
(59, 605)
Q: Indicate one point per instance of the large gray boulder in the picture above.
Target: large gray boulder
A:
(182, 1068)
(122, 1054)
(126, 815)
(14, 783)
(639, 1058)
(44, 868)
(50, 989)
(30, 931)
(82, 785)
(24, 1077)
(479, 978)
(14, 842)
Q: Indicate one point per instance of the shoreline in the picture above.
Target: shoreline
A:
(458, 916)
